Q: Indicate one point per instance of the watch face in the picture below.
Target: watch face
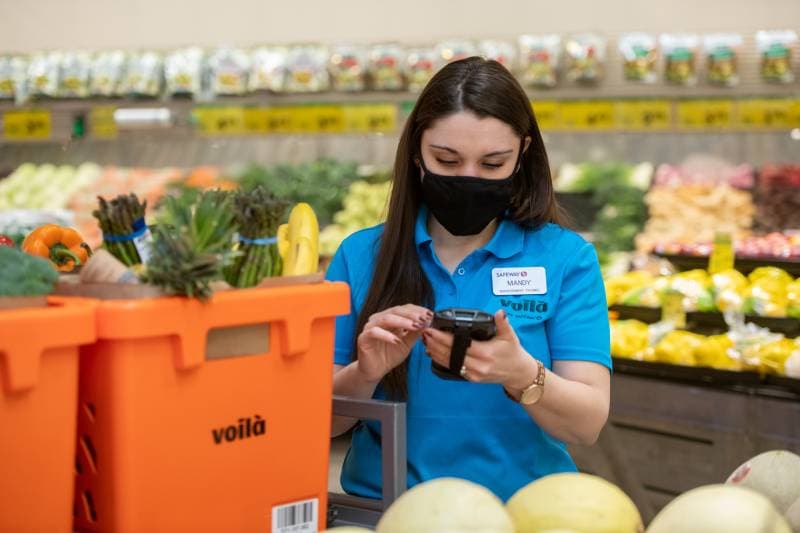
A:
(531, 395)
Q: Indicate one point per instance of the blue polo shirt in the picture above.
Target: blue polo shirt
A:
(467, 430)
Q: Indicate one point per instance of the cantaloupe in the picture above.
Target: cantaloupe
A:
(793, 516)
(573, 501)
(719, 509)
(446, 505)
(775, 474)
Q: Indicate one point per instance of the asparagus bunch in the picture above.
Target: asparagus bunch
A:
(117, 218)
(258, 214)
(194, 250)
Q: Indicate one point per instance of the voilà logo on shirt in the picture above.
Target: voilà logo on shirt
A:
(523, 280)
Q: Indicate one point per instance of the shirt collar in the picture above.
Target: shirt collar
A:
(506, 242)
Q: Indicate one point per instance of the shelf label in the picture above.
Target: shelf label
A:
(644, 114)
(765, 113)
(370, 118)
(101, 122)
(672, 309)
(588, 115)
(705, 114)
(722, 255)
(220, 120)
(27, 125)
(547, 115)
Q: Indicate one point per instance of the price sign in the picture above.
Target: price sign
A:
(372, 118)
(672, 309)
(27, 125)
(705, 114)
(644, 114)
(590, 115)
(327, 119)
(765, 113)
(280, 120)
(546, 112)
(256, 120)
(220, 120)
(101, 122)
(722, 255)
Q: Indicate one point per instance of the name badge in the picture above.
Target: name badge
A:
(512, 281)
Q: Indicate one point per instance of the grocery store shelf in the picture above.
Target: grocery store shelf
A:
(745, 265)
(708, 322)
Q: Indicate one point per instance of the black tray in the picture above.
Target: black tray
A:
(702, 322)
(783, 382)
(688, 374)
(745, 265)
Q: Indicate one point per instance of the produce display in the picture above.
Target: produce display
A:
(778, 198)
(767, 291)
(617, 191)
(46, 186)
(364, 206)
(784, 245)
(693, 202)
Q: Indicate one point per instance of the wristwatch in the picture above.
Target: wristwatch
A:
(532, 393)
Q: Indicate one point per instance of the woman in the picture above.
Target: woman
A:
(473, 210)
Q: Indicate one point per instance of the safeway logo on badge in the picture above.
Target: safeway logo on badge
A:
(524, 280)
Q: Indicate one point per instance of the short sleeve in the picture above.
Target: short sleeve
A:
(345, 324)
(579, 329)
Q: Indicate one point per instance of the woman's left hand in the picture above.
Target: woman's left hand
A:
(501, 359)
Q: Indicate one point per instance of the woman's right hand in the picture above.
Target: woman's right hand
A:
(388, 337)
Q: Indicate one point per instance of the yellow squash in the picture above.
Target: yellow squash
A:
(299, 242)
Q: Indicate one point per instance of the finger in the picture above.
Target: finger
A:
(380, 334)
(392, 321)
(413, 312)
(480, 350)
(439, 336)
(504, 329)
(437, 351)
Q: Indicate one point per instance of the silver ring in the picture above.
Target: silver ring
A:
(463, 371)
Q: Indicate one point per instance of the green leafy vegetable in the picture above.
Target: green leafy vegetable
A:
(25, 275)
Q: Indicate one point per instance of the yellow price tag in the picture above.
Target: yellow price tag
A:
(546, 112)
(256, 120)
(280, 119)
(794, 114)
(220, 120)
(101, 122)
(644, 114)
(590, 115)
(705, 114)
(328, 119)
(370, 118)
(765, 113)
(672, 309)
(27, 125)
(722, 255)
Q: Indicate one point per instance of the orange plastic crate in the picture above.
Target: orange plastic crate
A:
(38, 400)
(170, 440)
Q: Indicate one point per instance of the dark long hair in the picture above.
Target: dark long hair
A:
(486, 89)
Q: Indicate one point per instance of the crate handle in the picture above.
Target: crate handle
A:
(22, 368)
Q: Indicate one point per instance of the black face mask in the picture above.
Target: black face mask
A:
(465, 205)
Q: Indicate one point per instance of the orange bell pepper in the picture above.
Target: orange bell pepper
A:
(64, 247)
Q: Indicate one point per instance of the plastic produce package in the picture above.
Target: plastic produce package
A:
(680, 58)
(768, 292)
(307, 69)
(722, 58)
(421, 64)
(640, 55)
(43, 74)
(268, 69)
(630, 339)
(12, 76)
(144, 75)
(348, 68)
(107, 73)
(501, 51)
(456, 50)
(386, 67)
(228, 70)
(540, 59)
(585, 58)
(678, 348)
(74, 75)
(183, 70)
(777, 50)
